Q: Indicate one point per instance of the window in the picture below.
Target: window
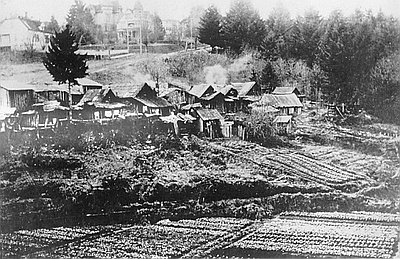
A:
(96, 115)
(108, 114)
(5, 39)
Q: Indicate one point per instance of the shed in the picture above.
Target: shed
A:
(283, 123)
(16, 94)
(209, 122)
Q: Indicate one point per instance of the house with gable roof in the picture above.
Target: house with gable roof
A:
(285, 90)
(248, 93)
(20, 33)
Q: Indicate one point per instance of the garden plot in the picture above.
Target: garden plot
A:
(296, 164)
(164, 239)
(357, 236)
(353, 160)
(27, 241)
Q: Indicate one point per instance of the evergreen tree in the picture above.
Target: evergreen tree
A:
(158, 31)
(63, 63)
(82, 23)
(53, 25)
(210, 30)
(243, 27)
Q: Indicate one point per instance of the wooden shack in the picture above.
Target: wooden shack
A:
(209, 122)
(286, 104)
(142, 100)
(98, 105)
(15, 94)
(283, 124)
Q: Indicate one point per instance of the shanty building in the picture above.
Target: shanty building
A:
(248, 93)
(286, 104)
(283, 124)
(231, 99)
(289, 90)
(98, 105)
(15, 94)
(142, 100)
(209, 122)
(51, 114)
(208, 95)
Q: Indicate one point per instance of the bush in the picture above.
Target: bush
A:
(260, 129)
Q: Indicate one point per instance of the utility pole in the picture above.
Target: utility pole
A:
(191, 32)
(140, 32)
(127, 38)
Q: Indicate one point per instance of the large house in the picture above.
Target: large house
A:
(106, 15)
(21, 33)
(133, 24)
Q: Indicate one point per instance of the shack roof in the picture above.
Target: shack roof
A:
(168, 91)
(228, 88)
(130, 90)
(49, 106)
(153, 102)
(95, 96)
(211, 96)
(282, 119)
(280, 101)
(88, 82)
(286, 90)
(200, 90)
(209, 114)
(14, 85)
(244, 88)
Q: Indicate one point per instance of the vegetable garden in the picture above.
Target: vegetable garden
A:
(355, 234)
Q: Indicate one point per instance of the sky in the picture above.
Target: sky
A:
(179, 9)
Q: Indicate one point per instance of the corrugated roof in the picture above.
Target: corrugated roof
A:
(94, 96)
(199, 90)
(169, 90)
(284, 90)
(126, 90)
(211, 96)
(227, 88)
(209, 114)
(280, 101)
(155, 102)
(243, 88)
(282, 119)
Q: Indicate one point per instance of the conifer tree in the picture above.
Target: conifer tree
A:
(210, 30)
(63, 63)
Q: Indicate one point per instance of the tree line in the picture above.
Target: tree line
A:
(345, 59)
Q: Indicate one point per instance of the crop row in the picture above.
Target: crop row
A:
(140, 242)
(322, 238)
(220, 224)
(28, 241)
(356, 216)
